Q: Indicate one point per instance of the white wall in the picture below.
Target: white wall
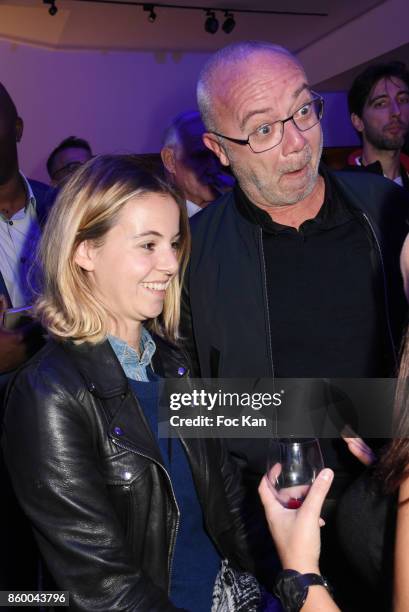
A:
(336, 125)
(118, 101)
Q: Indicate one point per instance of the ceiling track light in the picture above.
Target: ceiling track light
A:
(53, 10)
(212, 23)
(152, 15)
(229, 23)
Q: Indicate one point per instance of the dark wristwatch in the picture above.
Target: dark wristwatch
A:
(291, 588)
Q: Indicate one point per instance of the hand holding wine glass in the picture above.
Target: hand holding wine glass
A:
(296, 532)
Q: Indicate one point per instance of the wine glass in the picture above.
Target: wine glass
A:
(293, 465)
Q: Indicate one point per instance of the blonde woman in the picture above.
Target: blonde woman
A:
(118, 514)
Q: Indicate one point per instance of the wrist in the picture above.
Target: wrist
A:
(292, 588)
(301, 567)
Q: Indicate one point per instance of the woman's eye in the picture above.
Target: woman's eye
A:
(148, 246)
(176, 245)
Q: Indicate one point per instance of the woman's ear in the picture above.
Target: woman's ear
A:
(84, 256)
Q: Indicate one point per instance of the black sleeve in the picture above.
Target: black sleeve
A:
(187, 339)
(256, 552)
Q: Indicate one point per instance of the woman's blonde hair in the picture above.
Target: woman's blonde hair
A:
(86, 209)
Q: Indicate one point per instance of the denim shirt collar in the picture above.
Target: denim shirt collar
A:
(135, 367)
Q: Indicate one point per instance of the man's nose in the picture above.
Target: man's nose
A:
(394, 107)
(293, 139)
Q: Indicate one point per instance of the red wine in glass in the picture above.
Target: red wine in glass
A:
(293, 465)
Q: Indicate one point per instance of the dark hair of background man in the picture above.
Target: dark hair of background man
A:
(72, 142)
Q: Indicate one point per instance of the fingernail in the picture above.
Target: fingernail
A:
(326, 474)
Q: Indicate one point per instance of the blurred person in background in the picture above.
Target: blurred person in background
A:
(190, 165)
(69, 155)
(24, 206)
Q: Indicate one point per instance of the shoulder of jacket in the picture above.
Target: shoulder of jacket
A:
(51, 368)
(213, 212)
(364, 180)
(380, 197)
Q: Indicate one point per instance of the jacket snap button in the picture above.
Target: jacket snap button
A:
(118, 431)
(91, 388)
(181, 371)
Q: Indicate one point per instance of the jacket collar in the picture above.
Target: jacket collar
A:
(99, 366)
(103, 374)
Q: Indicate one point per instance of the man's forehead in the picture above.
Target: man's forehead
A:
(387, 86)
(69, 155)
(258, 62)
(272, 69)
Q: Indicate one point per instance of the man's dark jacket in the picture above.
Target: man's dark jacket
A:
(89, 475)
(226, 287)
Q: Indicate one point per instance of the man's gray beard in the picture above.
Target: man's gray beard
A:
(273, 199)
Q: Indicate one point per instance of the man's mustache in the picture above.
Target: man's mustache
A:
(299, 163)
(396, 123)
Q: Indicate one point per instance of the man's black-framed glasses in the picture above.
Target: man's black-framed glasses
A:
(269, 135)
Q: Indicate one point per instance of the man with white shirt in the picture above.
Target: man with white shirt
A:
(190, 165)
(379, 105)
(23, 208)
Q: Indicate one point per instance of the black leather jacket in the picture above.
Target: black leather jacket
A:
(90, 477)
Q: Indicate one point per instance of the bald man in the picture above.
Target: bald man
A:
(295, 274)
(23, 208)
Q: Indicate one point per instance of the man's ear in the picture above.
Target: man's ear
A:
(84, 256)
(168, 159)
(357, 122)
(19, 129)
(211, 142)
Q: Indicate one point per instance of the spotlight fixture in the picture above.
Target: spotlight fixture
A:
(152, 15)
(229, 23)
(53, 10)
(211, 24)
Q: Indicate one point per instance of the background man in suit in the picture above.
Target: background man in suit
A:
(23, 208)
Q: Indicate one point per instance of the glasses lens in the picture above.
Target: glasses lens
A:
(309, 114)
(266, 137)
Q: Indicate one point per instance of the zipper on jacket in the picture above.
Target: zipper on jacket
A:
(267, 310)
(173, 542)
(385, 292)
